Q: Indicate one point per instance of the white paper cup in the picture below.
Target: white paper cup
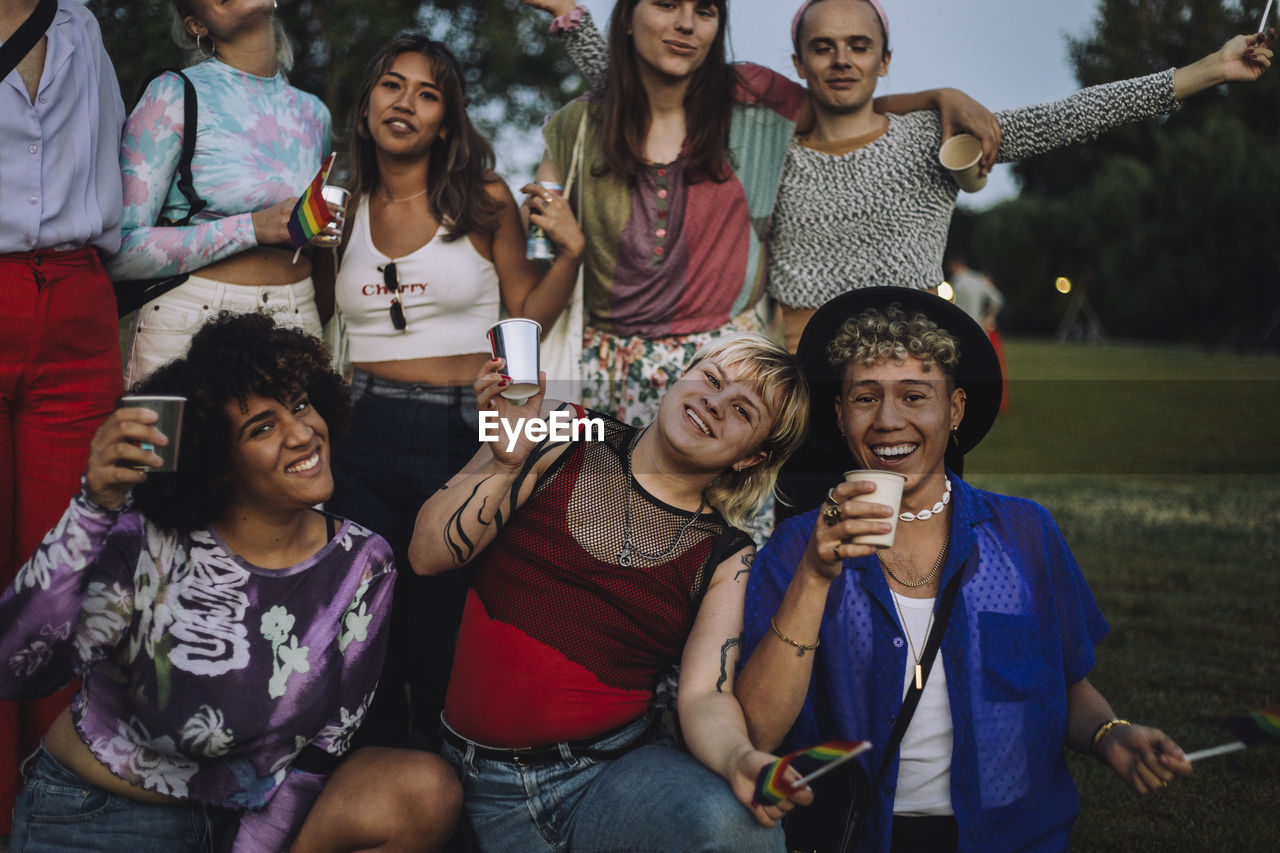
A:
(516, 342)
(336, 198)
(169, 410)
(889, 492)
(960, 155)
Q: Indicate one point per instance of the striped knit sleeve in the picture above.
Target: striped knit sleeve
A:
(1083, 116)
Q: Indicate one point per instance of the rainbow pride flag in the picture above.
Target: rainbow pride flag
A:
(1257, 727)
(310, 215)
(1254, 728)
(772, 785)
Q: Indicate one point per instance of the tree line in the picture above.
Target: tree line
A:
(1171, 224)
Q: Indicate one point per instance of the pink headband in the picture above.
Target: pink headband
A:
(804, 7)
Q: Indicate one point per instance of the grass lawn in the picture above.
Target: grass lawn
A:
(1160, 466)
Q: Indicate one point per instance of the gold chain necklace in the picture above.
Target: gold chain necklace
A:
(937, 564)
(927, 629)
(389, 200)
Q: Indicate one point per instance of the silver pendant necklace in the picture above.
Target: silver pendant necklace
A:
(629, 551)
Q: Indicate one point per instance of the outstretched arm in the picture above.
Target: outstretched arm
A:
(710, 717)
(1088, 113)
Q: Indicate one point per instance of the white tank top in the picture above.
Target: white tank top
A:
(448, 291)
(924, 769)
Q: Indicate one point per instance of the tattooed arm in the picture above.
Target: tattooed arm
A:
(457, 522)
(710, 717)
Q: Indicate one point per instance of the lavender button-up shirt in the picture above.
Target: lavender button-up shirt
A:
(60, 155)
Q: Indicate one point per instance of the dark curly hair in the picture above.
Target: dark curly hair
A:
(231, 357)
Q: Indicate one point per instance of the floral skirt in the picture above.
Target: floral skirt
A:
(626, 375)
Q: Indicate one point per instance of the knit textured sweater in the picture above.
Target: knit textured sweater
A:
(879, 215)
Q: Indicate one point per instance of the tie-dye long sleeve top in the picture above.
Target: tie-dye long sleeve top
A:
(258, 141)
(204, 675)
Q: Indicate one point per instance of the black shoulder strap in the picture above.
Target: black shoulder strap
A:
(26, 35)
(941, 615)
(190, 114)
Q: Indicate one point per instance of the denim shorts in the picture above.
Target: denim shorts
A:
(57, 811)
(655, 798)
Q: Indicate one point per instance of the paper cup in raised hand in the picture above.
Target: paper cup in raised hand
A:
(169, 411)
(960, 155)
(335, 198)
(889, 492)
(515, 341)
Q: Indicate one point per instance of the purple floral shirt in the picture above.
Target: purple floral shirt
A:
(204, 676)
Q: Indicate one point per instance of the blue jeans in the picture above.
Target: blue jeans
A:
(404, 442)
(654, 799)
(58, 811)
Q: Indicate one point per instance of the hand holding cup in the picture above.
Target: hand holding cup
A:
(118, 457)
(335, 198)
(845, 518)
(550, 211)
(961, 155)
(491, 387)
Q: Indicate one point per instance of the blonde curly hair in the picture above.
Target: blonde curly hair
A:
(876, 335)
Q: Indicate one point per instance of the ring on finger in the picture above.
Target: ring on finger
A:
(831, 515)
(831, 496)
(836, 550)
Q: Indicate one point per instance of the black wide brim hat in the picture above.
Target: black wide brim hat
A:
(978, 373)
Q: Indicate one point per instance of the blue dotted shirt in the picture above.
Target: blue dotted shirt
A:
(1023, 630)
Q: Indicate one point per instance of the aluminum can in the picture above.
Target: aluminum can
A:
(539, 246)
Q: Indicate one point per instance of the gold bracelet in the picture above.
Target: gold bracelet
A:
(801, 648)
(1102, 732)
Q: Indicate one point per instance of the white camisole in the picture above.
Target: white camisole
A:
(448, 291)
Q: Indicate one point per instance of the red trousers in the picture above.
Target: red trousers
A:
(59, 379)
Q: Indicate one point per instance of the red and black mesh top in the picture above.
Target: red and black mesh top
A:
(560, 642)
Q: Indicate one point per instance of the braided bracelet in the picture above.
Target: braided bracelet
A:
(801, 648)
(1103, 730)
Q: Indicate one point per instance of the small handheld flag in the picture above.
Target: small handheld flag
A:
(772, 786)
(311, 214)
(1250, 729)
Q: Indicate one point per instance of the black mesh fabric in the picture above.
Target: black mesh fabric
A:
(553, 571)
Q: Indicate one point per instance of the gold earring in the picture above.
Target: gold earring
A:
(955, 436)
